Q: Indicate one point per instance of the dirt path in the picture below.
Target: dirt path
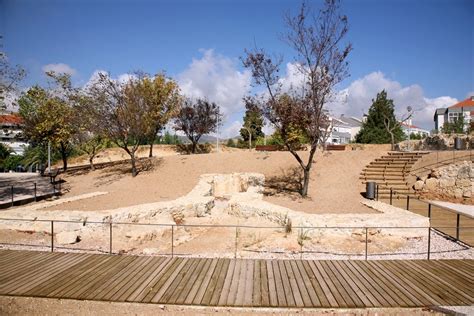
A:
(334, 187)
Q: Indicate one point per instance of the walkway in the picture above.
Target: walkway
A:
(237, 282)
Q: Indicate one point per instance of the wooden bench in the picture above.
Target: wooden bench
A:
(336, 147)
(268, 147)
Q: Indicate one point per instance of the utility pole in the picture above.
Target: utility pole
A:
(217, 138)
(49, 157)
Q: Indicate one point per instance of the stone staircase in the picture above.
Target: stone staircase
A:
(391, 171)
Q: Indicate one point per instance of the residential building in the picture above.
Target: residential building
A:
(344, 129)
(409, 129)
(464, 108)
(10, 133)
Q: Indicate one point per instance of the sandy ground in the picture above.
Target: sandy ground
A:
(334, 186)
(46, 306)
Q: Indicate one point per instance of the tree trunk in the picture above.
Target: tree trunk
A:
(393, 141)
(304, 189)
(134, 167)
(91, 162)
(193, 150)
(64, 156)
(150, 154)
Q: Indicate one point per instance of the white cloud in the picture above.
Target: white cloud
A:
(232, 130)
(216, 78)
(357, 98)
(59, 68)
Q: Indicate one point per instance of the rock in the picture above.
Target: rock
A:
(464, 172)
(458, 193)
(419, 185)
(150, 251)
(446, 183)
(67, 237)
(463, 183)
(467, 193)
(431, 184)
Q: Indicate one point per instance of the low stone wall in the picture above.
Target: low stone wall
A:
(454, 182)
(437, 142)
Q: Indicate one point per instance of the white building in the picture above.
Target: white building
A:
(408, 128)
(10, 133)
(464, 108)
(344, 129)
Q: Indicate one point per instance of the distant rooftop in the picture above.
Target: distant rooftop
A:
(465, 103)
(10, 119)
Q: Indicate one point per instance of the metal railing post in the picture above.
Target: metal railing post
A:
(429, 242)
(172, 241)
(35, 193)
(457, 225)
(366, 243)
(52, 236)
(391, 194)
(429, 210)
(110, 237)
(408, 202)
(236, 236)
(12, 194)
(377, 192)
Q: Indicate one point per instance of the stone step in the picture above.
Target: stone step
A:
(385, 171)
(395, 163)
(401, 159)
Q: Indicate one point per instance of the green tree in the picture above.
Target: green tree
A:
(381, 126)
(253, 123)
(456, 127)
(317, 39)
(49, 117)
(161, 98)
(5, 152)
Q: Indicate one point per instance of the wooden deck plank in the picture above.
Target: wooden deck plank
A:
(454, 286)
(238, 282)
(264, 291)
(272, 292)
(205, 283)
(195, 288)
(21, 280)
(181, 297)
(147, 285)
(213, 283)
(103, 274)
(47, 273)
(227, 284)
(160, 279)
(320, 285)
(281, 295)
(398, 293)
(362, 293)
(220, 283)
(293, 284)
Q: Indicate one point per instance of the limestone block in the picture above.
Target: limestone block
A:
(458, 193)
(447, 182)
(419, 185)
(463, 183)
(467, 193)
(431, 184)
(464, 172)
(67, 237)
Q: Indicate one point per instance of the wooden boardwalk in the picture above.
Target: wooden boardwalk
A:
(237, 282)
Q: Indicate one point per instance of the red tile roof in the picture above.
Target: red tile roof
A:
(410, 126)
(468, 102)
(10, 119)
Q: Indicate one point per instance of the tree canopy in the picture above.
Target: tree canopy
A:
(374, 129)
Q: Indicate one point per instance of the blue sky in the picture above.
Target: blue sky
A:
(420, 51)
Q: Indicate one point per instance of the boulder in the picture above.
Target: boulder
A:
(458, 193)
(467, 193)
(431, 184)
(464, 172)
(67, 237)
(447, 182)
(419, 185)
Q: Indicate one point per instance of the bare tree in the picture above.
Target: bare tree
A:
(118, 107)
(391, 125)
(196, 119)
(321, 60)
(10, 76)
